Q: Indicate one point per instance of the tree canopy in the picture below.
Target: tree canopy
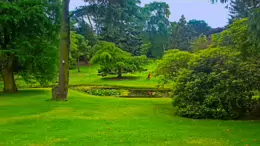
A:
(27, 47)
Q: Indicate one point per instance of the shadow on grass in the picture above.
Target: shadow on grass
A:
(25, 93)
(122, 78)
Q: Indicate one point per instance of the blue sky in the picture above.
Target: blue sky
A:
(214, 14)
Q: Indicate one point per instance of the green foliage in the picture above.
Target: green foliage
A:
(222, 39)
(171, 64)
(30, 46)
(159, 14)
(153, 24)
(181, 35)
(240, 9)
(102, 92)
(238, 36)
(184, 33)
(145, 48)
(199, 27)
(79, 49)
(200, 43)
(222, 82)
(119, 22)
(113, 60)
(254, 29)
(217, 85)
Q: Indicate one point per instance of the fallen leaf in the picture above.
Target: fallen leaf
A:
(228, 130)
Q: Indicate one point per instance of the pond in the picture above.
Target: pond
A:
(125, 93)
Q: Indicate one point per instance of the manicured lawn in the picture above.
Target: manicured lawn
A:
(26, 118)
(88, 76)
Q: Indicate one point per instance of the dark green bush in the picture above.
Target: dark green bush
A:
(218, 85)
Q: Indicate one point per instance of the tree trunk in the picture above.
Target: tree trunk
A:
(9, 82)
(90, 23)
(78, 64)
(61, 92)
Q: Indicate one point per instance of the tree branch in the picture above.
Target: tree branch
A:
(76, 12)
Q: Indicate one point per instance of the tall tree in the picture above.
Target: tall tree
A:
(199, 27)
(117, 22)
(181, 35)
(239, 9)
(254, 15)
(157, 27)
(27, 47)
(61, 92)
(79, 50)
(81, 25)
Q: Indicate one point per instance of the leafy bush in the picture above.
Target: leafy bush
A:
(200, 43)
(171, 64)
(217, 85)
(102, 92)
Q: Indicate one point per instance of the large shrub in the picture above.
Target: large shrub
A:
(171, 64)
(217, 85)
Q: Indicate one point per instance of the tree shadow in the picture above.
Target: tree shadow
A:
(121, 78)
(25, 93)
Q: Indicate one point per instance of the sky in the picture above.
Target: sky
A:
(216, 15)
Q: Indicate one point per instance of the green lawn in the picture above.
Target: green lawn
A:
(88, 76)
(26, 118)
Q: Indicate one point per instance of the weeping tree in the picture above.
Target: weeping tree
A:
(115, 61)
(28, 41)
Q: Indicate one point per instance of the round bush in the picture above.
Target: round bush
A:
(217, 85)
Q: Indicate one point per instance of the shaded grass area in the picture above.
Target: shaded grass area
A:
(27, 118)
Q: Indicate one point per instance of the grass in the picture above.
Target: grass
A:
(27, 118)
(88, 76)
